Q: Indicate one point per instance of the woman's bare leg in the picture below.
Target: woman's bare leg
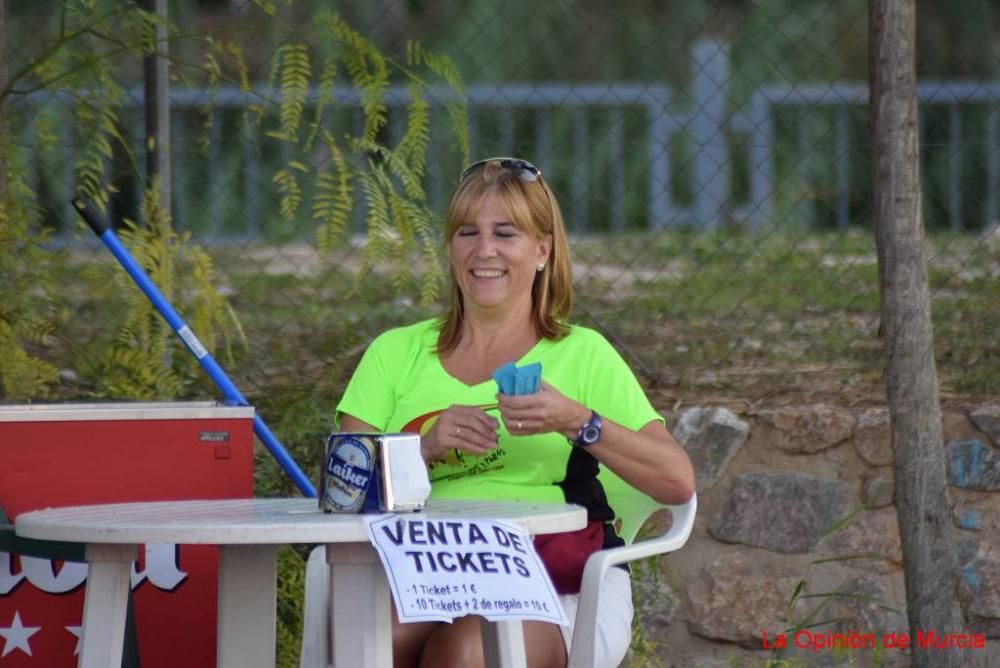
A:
(408, 641)
(461, 645)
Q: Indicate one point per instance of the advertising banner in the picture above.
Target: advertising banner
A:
(74, 454)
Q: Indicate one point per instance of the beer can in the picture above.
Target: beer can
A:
(349, 479)
(359, 469)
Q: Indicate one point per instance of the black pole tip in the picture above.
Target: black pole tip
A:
(91, 217)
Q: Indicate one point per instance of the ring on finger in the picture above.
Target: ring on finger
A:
(519, 425)
(458, 431)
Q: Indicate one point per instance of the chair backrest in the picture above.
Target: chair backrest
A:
(632, 507)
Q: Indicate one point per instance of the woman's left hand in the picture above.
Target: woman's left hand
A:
(547, 410)
(648, 459)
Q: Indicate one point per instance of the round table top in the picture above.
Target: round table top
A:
(264, 521)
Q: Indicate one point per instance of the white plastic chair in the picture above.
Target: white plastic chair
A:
(316, 649)
(632, 508)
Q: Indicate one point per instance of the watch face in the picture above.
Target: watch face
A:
(590, 432)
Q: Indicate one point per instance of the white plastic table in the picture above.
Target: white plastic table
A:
(248, 533)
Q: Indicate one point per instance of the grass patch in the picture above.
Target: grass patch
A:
(709, 313)
(717, 317)
(721, 314)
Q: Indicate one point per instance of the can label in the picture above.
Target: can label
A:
(350, 475)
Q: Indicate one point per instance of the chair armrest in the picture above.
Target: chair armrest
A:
(585, 626)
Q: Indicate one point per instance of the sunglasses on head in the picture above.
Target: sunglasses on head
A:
(525, 170)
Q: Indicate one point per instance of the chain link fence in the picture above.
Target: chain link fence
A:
(711, 159)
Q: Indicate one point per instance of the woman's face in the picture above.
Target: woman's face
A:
(494, 262)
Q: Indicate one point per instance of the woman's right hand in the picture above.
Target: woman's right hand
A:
(467, 428)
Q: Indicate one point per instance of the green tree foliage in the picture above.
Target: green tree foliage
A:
(26, 319)
(388, 177)
(90, 52)
(138, 362)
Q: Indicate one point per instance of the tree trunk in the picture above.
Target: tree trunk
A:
(157, 83)
(3, 85)
(924, 514)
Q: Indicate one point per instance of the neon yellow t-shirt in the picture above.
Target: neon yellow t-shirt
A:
(400, 385)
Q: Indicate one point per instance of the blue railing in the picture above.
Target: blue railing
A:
(622, 155)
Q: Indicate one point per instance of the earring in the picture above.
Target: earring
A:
(540, 267)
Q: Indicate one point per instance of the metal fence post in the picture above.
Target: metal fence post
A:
(157, 103)
(761, 161)
(580, 187)
(954, 167)
(843, 168)
(805, 204)
(616, 138)
(711, 166)
(659, 204)
(992, 167)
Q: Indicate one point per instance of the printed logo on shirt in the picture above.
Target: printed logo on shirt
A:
(456, 463)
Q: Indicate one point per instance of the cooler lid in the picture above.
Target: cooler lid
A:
(129, 410)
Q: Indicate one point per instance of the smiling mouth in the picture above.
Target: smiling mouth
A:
(487, 273)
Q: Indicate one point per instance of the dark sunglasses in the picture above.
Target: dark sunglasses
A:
(525, 170)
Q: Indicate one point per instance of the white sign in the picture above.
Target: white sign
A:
(441, 569)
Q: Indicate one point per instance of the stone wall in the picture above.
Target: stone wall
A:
(774, 489)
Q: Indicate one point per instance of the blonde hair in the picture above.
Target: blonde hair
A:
(532, 207)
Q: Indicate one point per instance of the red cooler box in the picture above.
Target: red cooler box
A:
(70, 454)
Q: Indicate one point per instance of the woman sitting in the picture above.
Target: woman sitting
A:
(510, 302)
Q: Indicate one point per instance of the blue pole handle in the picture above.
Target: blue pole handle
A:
(191, 342)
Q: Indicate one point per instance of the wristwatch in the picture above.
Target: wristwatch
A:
(590, 432)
